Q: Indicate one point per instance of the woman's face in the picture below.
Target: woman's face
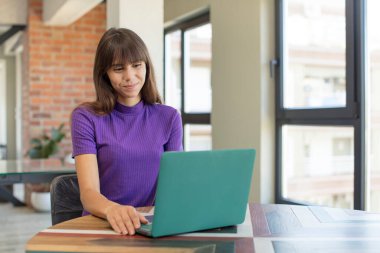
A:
(128, 80)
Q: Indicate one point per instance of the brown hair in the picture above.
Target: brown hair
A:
(123, 46)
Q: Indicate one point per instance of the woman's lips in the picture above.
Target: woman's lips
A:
(130, 86)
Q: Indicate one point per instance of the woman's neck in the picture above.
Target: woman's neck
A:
(129, 101)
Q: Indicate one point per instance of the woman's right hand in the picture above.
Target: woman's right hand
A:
(124, 219)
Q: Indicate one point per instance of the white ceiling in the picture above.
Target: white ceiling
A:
(66, 12)
(13, 12)
(55, 12)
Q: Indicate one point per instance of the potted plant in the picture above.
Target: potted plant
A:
(46, 146)
(38, 195)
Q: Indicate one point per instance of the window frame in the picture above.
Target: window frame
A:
(353, 114)
(183, 26)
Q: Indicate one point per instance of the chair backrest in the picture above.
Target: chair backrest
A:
(65, 198)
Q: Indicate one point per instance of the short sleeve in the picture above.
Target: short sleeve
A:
(175, 139)
(82, 132)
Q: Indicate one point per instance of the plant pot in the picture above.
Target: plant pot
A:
(40, 201)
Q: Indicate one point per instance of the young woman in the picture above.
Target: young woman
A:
(118, 139)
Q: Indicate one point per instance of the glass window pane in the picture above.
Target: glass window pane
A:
(198, 69)
(373, 104)
(318, 164)
(197, 137)
(173, 69)
(3, 102)
(314, 54)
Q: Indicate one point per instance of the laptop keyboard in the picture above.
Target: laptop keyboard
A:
(146, 228)
(149, 218)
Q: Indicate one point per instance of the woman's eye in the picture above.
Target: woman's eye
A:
(117, 69)
(136, 65)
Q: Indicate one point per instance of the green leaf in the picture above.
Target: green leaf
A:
(45, 146)
(61, 127)
(48, 149)
(35, 153)
(56, 135)
(35, 142)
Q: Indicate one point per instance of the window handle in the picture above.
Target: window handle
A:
(272, 64)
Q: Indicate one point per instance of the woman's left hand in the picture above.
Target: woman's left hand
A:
(124, 219)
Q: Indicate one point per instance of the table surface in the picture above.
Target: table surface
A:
(9, 167)
(274, 228)
(29, 171)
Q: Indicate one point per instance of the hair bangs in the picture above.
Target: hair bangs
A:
(127, 53)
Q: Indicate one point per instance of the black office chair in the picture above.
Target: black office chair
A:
(65, 198)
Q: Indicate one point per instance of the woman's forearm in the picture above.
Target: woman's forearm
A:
(95, 203)
(88, 177)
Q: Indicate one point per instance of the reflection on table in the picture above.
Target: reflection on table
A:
(271, 228)
(92, 234)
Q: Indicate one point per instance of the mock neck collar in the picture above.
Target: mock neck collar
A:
(136, 109)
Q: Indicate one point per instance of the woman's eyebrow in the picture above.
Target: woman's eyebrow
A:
(117, 65)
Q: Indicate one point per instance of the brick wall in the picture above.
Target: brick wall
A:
(58, 63)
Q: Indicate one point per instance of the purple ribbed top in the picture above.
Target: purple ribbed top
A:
(128, 144)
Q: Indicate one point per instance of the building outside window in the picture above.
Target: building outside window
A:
(319, 114)
(328, 106)
(188, 78)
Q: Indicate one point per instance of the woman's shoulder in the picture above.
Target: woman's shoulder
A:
(84, 111)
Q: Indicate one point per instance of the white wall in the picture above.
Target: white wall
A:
(243, 93)
(146, 18)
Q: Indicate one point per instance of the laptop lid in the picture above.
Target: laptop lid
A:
(201, 190)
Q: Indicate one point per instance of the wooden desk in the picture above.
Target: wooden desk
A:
(29, 171)
(276, 228)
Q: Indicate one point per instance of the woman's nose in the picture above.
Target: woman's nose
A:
(128, 73)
